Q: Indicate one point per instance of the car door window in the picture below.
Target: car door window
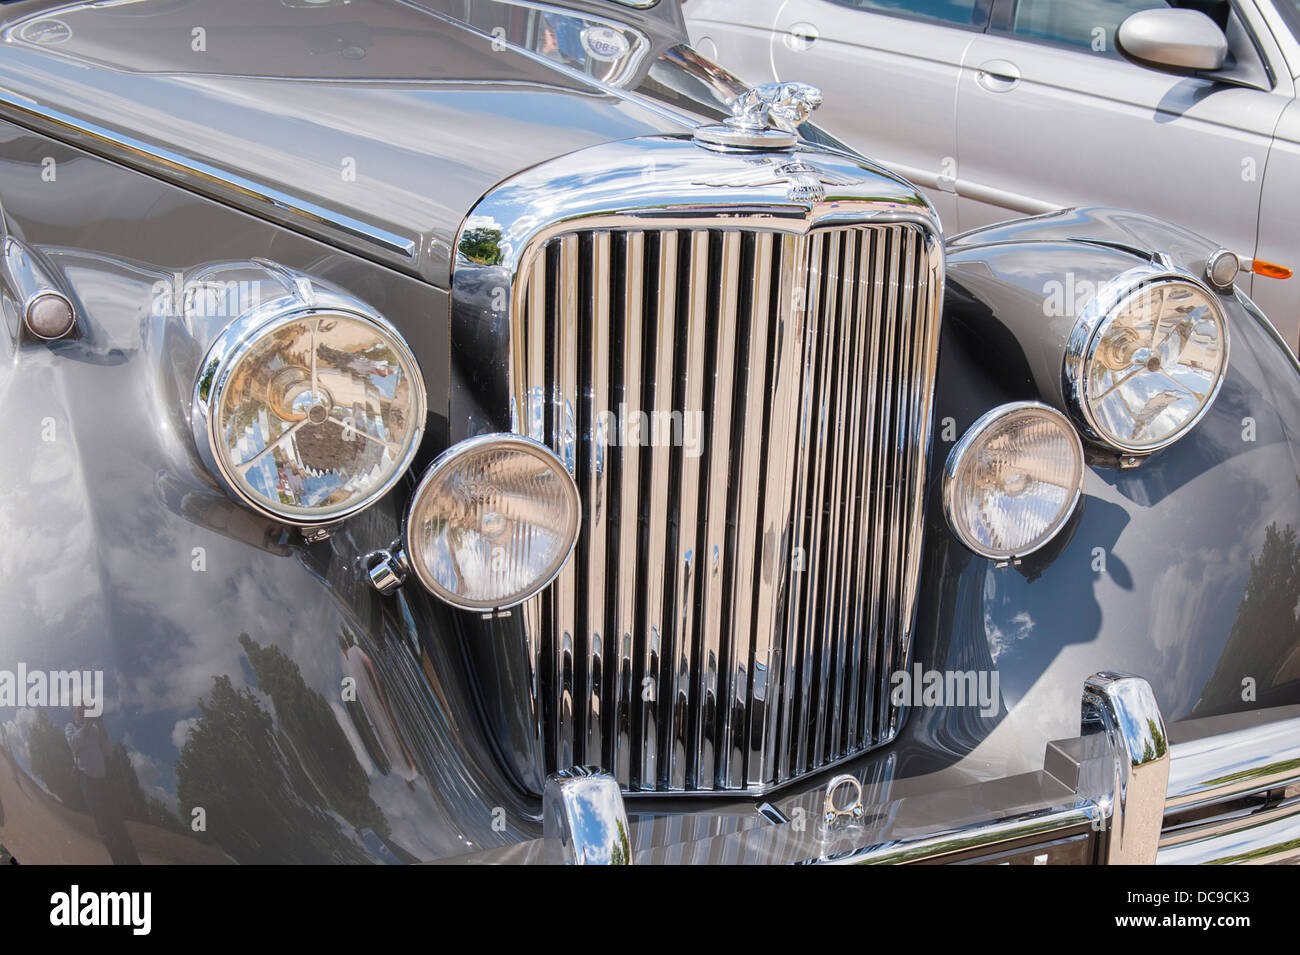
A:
(1082, 24)
(965, 13)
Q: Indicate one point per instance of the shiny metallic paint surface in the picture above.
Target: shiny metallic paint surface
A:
(1178, 542)
(100, 524)
(112, 508)
(409, 116)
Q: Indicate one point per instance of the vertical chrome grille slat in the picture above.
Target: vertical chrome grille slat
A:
(627, 456)
(595, 505)
(888, 372)
(871, 540)
(745, 656)
(821, 541)
(659, 392)
(767, 384)
(730, 619)
(840, 557)
(898, 455)
(564, 408)
(850, 593)
(736, 604)
(714, 565)
(867, 320)
(801, 621)
(686, 564)
(900, 297)
(782, 567)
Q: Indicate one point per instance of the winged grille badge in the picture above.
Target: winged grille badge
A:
(808, 182)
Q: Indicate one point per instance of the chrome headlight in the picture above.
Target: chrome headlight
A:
(493, 521)
(309, 412)
(1013, 480)
(1147, 359)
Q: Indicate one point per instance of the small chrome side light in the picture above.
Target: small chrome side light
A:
(49, 315)
(1222, 269)
(46, 311)
(492, 523)
(1013, 480)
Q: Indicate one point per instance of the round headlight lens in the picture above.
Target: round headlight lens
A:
(1154, 365)
(1013, 480)
(493, 522)
(312, 415)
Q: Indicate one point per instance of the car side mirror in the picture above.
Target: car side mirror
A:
(1172, 41)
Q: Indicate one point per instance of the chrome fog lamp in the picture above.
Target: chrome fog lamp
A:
(308, 414)
(493, 521)
(1013, 480)
(1146, 360)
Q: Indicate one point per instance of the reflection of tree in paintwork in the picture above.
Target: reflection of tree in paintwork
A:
(273, 787)
(233, 768)
(308, 722)
(1265, 633)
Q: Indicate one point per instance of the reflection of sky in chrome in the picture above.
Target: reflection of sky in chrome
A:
(594, 820)
(1137, 405)
(309, 464)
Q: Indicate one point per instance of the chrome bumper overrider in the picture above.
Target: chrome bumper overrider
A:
(1126, 791)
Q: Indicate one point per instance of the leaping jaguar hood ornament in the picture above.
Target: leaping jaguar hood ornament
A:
(766, 117)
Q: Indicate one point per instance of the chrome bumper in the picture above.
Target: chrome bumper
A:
(1234, 796)
(1126, 790)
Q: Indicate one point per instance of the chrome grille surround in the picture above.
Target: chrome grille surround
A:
(724, 639)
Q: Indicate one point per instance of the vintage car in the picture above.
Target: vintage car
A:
(486, 431)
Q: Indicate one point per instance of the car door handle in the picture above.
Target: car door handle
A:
(802, 35)
(998, 76)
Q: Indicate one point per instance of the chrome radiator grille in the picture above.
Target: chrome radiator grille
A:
(740, 595)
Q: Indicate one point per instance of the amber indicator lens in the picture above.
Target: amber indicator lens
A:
(1271, 271)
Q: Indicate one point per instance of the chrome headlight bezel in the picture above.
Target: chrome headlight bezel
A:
(452, 456)
(237, 339)
(1085, 338)
(959, 454)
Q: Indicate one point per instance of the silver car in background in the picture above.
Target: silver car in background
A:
(998, 108)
